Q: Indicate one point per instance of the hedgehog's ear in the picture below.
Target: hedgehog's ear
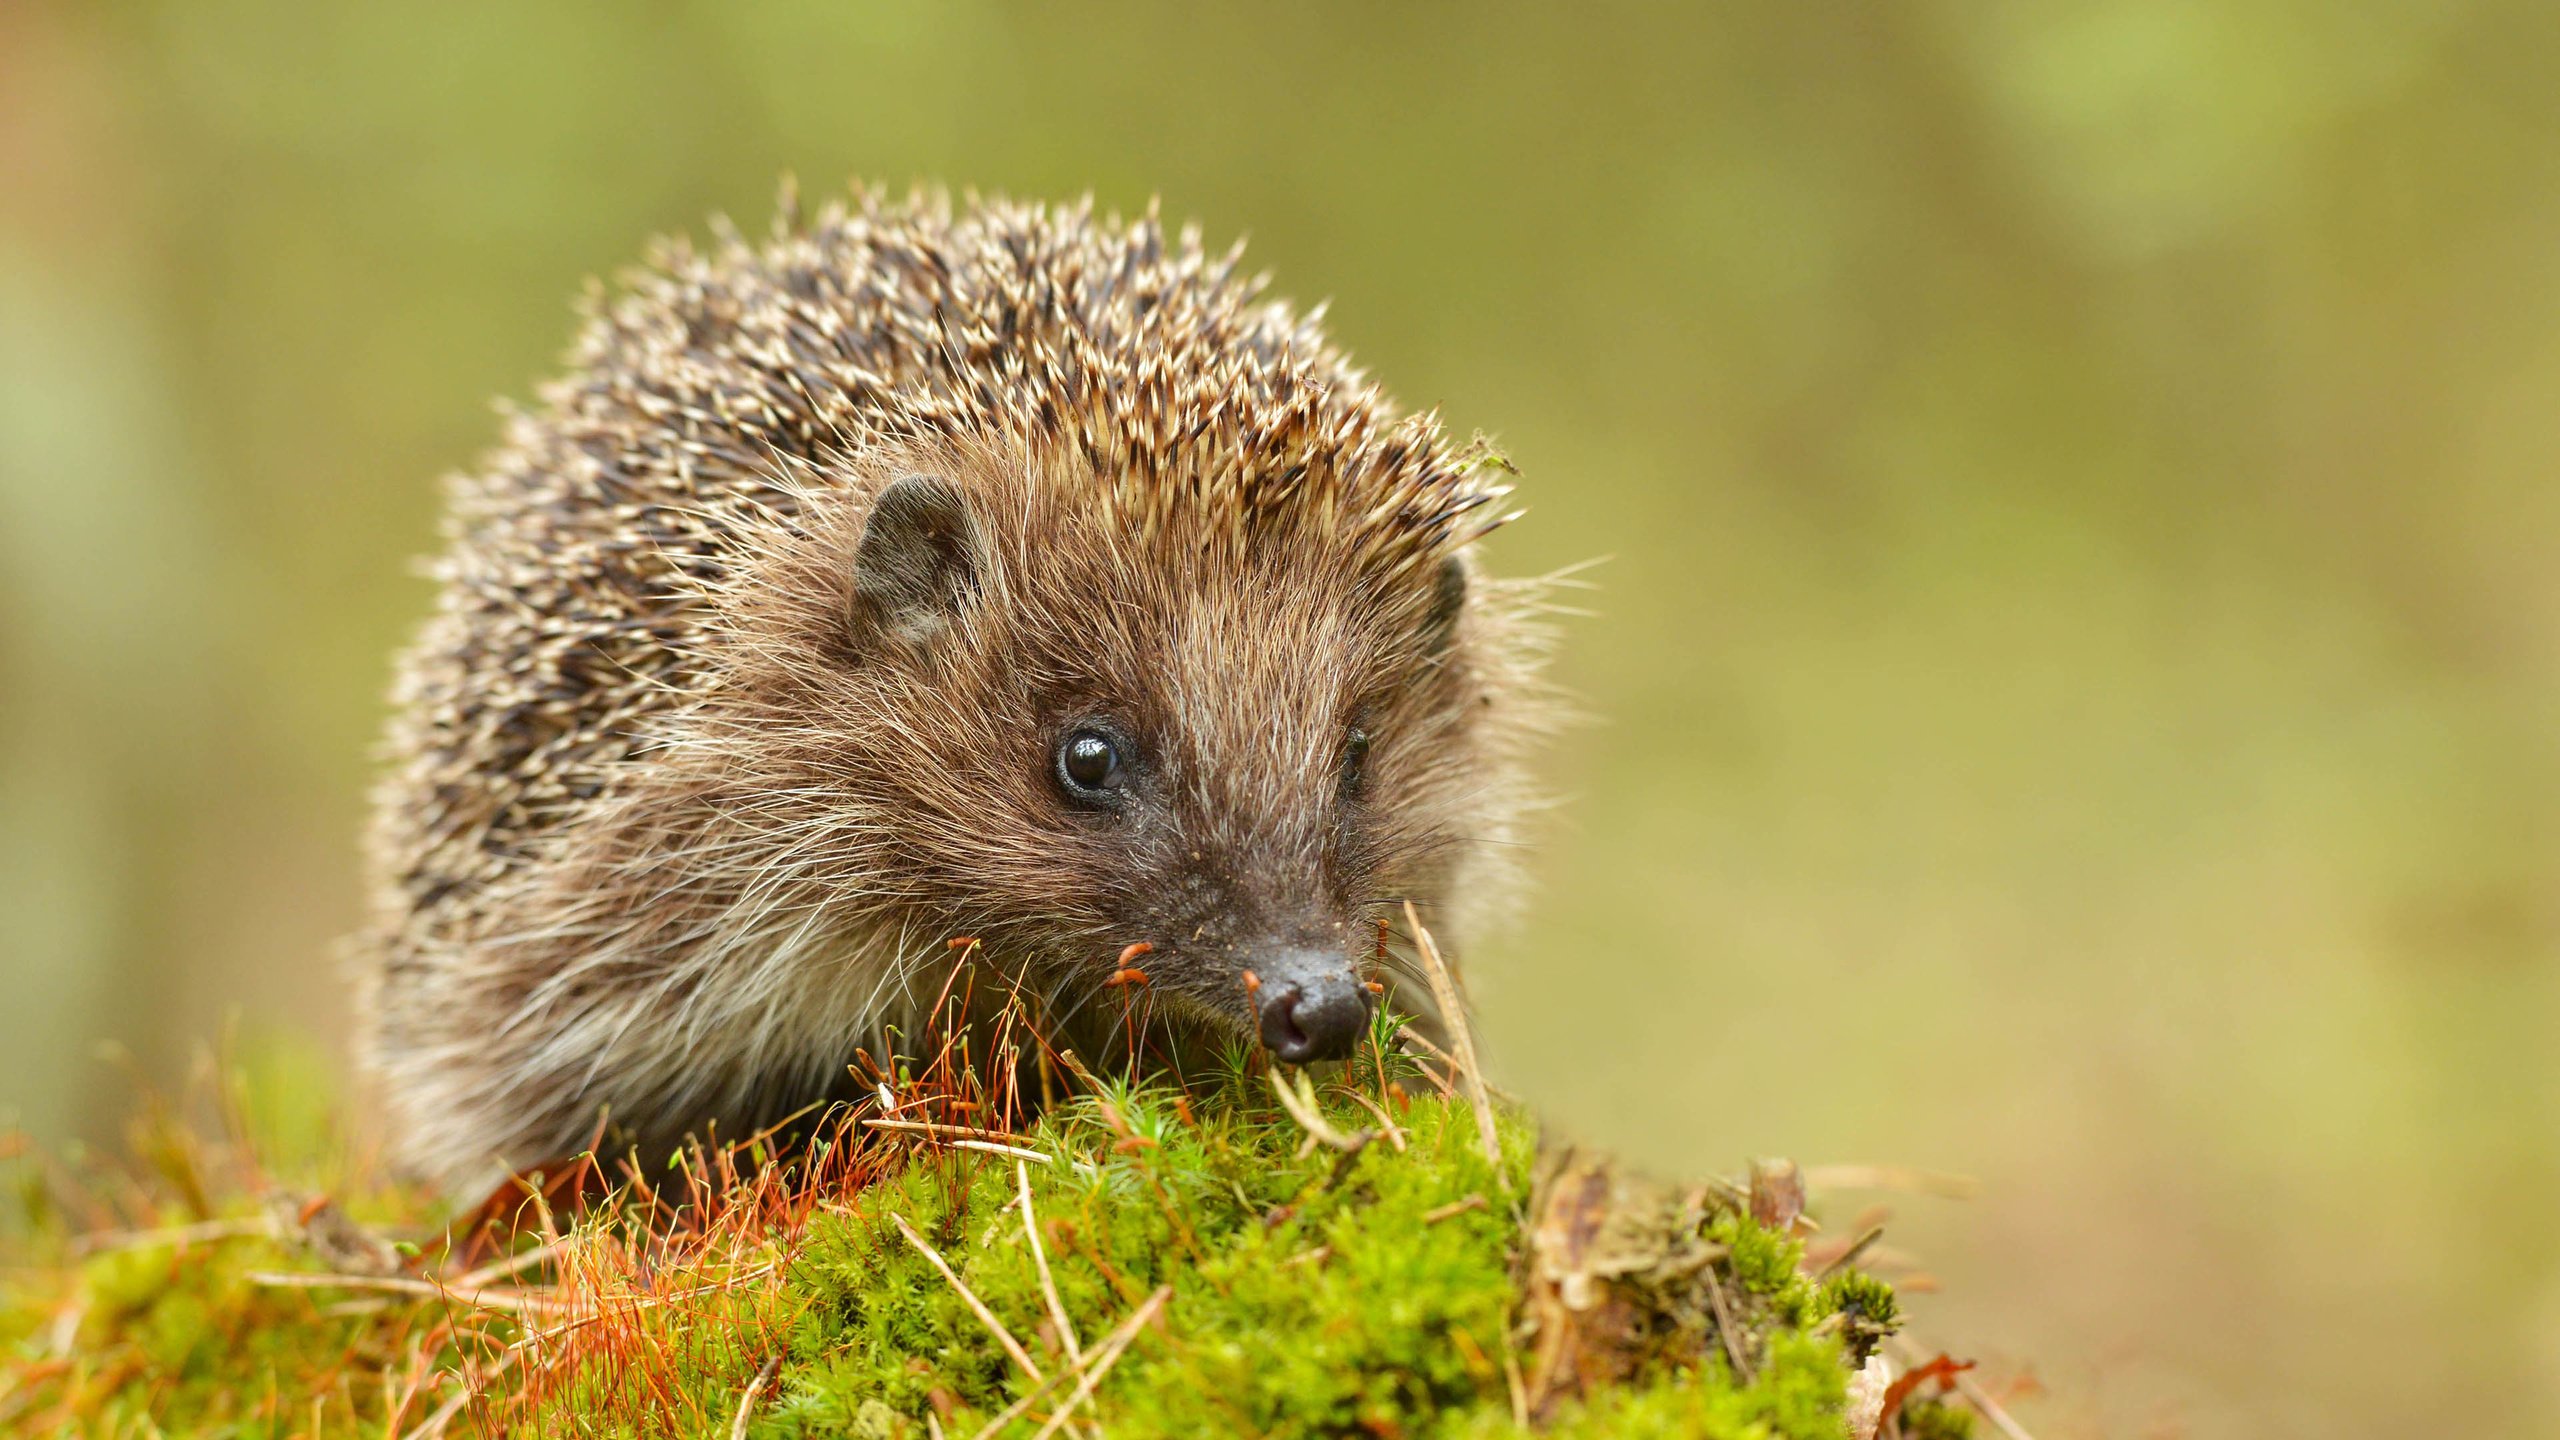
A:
(1448, 600)
(918, 560)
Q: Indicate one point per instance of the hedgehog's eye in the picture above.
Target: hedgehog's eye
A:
(1089, 765)
(1355, 764)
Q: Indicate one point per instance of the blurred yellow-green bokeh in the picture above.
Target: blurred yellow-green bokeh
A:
(2078, 682)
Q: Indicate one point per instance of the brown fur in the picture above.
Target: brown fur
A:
(670, 831)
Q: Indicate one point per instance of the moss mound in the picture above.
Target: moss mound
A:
(1142, 1261)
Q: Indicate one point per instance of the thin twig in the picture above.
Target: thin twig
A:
(1444, 990)
(1104, 1358)
(755, 1391)
(1084, 1077)
(1440, 1079)
(1302, 1107)
(1849, 1257)
(1991, 1409)
(946, 1132)
(1724, 1329)
(514, 1301)
(1901, 1178)
(1419, 1046)
(1474, 1200)
(173, 1235)
(1913, 1353)
(1119, 1336)
(1040, 1262)
(1030, 1397)
(990, 1147)
(64, 1333)
(969, 1297)
(1394, 1135)
(1511, 1381)
(1342, 1164)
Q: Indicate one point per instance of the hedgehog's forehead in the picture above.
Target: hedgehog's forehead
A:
(1214, 498)
(1207, 568)
(1199, 578)
(1198, 614)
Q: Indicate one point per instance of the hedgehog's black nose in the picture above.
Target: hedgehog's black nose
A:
(1312, 1007)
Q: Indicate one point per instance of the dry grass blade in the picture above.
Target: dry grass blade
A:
(1040, 1262)
(1302, 1107)
(516, 1302)
(1913, 1353)
(1850, 1256)
(1724, 1328)
(1444, 991)
(1990, 1409)
(1104, 1358)
(1512, 1382)
(1473, 1200)
(990, 1147)
(435, 1424)
(755, 1391)
(1016, 1410)
(171, 1235)
(946, 1132)
(1386, 1123)
(1112, 1345)
(1073, 1066)
(1419, 1049)
(63, 1335)
(1900, 1178)
(970, 1298)
(1419, 1046)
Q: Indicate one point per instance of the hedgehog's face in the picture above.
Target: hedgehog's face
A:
(1240, 752)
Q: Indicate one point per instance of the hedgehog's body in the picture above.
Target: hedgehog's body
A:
(1008, 574)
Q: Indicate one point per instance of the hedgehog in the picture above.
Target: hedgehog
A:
(930, 585)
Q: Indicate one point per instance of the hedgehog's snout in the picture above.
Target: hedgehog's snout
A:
(1309, 1005)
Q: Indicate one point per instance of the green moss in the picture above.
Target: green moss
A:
(180, 1337)
(1797, 1395)
(1935, 1420)
(147, 1318)
(1308, 1297)
(1867, 1309)
(1308, 1294)
(1764, 1260)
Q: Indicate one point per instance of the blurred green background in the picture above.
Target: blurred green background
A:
(2078, 681)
